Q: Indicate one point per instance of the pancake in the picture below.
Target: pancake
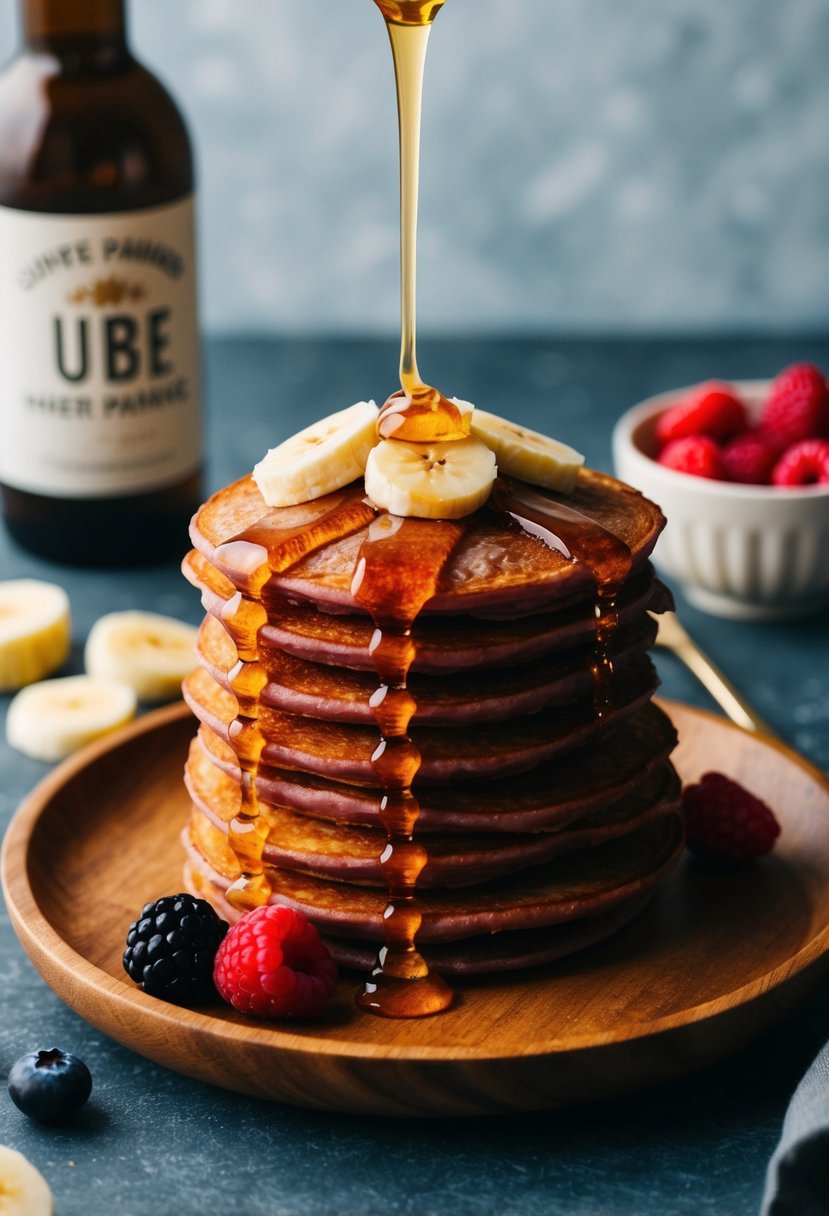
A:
(318, 846)
(547, 796)
(344, 752)
(509, 950)
(495, 570)
(342, 695)
(341, 640)
(547, 804)
(568, 888)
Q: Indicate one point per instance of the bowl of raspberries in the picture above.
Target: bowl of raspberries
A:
(741, 471)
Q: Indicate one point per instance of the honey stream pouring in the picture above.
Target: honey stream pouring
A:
(401, 984)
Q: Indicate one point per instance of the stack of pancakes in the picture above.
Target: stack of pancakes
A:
(546, 822)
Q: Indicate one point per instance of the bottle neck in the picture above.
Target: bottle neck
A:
(87, 33)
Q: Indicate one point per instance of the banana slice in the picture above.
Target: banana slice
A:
(23, 1189)
(52, 719)
(324, 457)
(149, 652)
(430, 480)
(35, 631)
(527, 454)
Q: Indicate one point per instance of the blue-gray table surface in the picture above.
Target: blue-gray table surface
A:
(152, 1142)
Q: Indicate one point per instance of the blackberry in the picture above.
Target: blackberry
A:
(49, 1085)
(171, 949)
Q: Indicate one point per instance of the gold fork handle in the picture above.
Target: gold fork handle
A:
(720, 687)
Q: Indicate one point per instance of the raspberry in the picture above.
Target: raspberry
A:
(749, 458)
(273, 964)
(724, 822)
(697, 454)
(803, 464)
(797, 406)
(712, 409)
(171, 948)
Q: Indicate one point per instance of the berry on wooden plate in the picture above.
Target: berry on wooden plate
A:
(711, 409)
(725, 822)
(171, 949)
(49, 1086)
(274, 965)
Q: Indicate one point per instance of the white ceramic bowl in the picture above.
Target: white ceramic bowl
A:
(751, 552)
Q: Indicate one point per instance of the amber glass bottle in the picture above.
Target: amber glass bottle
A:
(100, 436)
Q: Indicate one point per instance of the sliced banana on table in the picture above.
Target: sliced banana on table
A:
(527, 454)
(324, 457)
(430, 480)
(23, 1189)
(53, 719)
(149, 652)
(35, 631)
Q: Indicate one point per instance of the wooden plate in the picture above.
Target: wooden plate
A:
(717, 957)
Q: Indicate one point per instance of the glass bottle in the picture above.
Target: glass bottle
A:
(100, 433)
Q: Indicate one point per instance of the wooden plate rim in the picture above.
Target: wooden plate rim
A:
(42, 941)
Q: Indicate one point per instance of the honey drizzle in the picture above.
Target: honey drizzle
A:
(249, 560)
(579, 538)
(421, 414)
(242, 617)
(396, 574)
(410, 12)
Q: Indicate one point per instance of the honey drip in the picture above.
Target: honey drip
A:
(410, 12)
(578, 538)
(419, 414)
(397, 572)
(249, 560)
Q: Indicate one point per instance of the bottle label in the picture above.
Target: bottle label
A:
(99, 356)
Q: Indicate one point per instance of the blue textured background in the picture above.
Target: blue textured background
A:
(588, 164)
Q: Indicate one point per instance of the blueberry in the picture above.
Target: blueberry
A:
(49, 1085)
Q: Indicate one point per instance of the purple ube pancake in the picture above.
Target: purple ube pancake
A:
(548, 804)
(509, 950)
(321, 847)
(313, 690)
(547, 796)
(577, 885)
(444, 643)
(343, 752)
(495, 571)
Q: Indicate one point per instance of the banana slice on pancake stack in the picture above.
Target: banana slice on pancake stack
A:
(323, 457)
(528, 455)
(431, 477)
(430, 480)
